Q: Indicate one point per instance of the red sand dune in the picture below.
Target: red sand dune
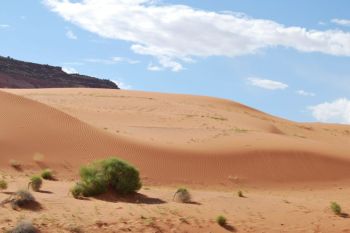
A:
(170, 138)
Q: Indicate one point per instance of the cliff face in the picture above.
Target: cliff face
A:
(20, 74)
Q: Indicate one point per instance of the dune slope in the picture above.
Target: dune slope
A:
(170, 138)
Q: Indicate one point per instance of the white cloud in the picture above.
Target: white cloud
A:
(337, 111)
(342, 22)
(122, 85)
(4, 26)
(70, 35)
(152, 67)
(305, 93)
(267, 84)
(69, 70)
(177, 33)
(113, 60)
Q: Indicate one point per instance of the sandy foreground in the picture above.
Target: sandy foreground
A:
(290, 172)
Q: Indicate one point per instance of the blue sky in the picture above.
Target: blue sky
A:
(287, 58)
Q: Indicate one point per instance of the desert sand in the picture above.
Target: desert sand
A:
(290, 171)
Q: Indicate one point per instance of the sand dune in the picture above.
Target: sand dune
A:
(171, 138)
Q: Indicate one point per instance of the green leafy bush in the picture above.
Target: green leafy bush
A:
(221, 220)
(47, 174)
(182, 195)
(35, 183)
(113, 173)
(3, 185)
(336, 208)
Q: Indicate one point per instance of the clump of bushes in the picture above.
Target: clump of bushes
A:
(240, 193)
(182, 195)
(24, 227)
(221, 220)
(47, 174)
(35, 183)
(335, 207)
(100, 176)
(3, 185)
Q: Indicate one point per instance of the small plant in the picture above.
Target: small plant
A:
(78, 190)
(38, 158)
(24, 227)
(336, 208)
(15, 164)
(47, 174)
(21, 198)
(240, 193)
(35, 183)
(221, 220)
(3, 185)
(182, 195)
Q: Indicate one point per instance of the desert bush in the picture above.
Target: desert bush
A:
(221, 220)
(335, 207)
(24, 227)
(21, 198)
(123, 177)
(47, 174)
(35, 183)
(15, 164)
(3, 185)
(240, 193)
(113, 173)
(182, 195)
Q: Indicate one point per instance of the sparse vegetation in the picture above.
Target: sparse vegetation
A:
(47, 174)
(221, 220)
(335, 207)
(24, 227)
(3, 184)
(113, 173)
(15, 164)
(38, 158)
(35, 183)
(240, 193)
(182, 195)
(21, 198)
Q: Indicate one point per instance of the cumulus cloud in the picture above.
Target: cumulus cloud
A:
(305, 93)
(337, 111)
(70, 35)
(342, 22)
(69, 70)
(267, 84)
(175, 34)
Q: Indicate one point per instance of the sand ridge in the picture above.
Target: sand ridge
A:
(171, 138)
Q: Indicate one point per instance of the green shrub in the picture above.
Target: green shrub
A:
(221, 220)
(182, 195)
(113, 173)
(336, 208)
(3, 185)
(47, 174)
(123, 177)
(24, 227)
(35, 183)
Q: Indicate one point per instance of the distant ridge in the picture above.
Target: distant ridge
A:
(19, 74)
